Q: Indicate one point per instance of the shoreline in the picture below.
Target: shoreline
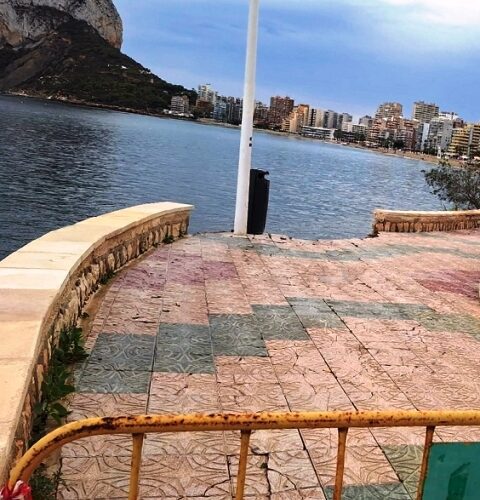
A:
(409, 155)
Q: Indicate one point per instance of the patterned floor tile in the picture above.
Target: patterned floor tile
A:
(394, 491)
(252, 398)
(183, 361)
(95, 477)
(449, 323)
(315, 313)
(184, 349)
(266, 441)
(98, 380)
(185, 443)
(236, 335)
(275, 473)
(318, 441)
(279, 323)
(166, 476)
(365, 465)
(375, 310)
(183, 393)
(406, 461)
(310, 493)
(122, 352)
(188, 334)
(274, 324)
(99, 446)
(232, 370)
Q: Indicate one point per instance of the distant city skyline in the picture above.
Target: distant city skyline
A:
(331, 54)
(428, 130)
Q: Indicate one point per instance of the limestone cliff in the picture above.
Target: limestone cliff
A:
(69, 50)
(27, 21)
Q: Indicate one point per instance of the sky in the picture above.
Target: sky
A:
(346, 55)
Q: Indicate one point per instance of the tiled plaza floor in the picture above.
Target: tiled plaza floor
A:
(216, 323)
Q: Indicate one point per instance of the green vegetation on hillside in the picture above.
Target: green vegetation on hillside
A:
(76, 63)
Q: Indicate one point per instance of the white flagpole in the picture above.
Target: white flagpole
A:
(245, 158)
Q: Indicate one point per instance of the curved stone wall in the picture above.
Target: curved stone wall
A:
(416, 222)
(43, 289)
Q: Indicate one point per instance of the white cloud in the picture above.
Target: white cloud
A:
(445, 12)
(455, 13)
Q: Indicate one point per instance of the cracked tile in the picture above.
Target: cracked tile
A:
(406, 461)
(236, 335)
(364, 465)
(275, 473)
(279, 323)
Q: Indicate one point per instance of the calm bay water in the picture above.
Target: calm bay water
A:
(60, 164)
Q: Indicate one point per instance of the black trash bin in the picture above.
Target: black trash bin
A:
(258, 201)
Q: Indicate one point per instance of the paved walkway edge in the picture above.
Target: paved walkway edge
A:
(45, 285)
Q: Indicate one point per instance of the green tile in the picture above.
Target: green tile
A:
(122, 352)
(177, 361)
(378, 310)
(394, 491)
(184, 348)
(183, 334)
(279, 323)
(236, 335)
(406, 461)
(315, 313)
(98, 380)
(461, 323)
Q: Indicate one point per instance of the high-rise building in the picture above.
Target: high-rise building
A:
(297, 119)
(180, 104)
(207, 94)
(405, 134)
(260, 117)
(466, 141)
(343, 118)
(220, 110)
(423, 129)
(330, 119)
(280, 108)
(366, 120)
(394, 131)
(316, 118)
(389, 110)
(354, 128)
(234, 110)
(439, 134)
(424, 112)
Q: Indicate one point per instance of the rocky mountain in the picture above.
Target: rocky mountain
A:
(70, 50)
(27, 21)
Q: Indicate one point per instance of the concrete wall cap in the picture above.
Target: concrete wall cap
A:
(32, 281)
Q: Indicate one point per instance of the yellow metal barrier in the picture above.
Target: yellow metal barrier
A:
(246, 423)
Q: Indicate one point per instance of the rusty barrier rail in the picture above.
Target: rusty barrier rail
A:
(246, 423)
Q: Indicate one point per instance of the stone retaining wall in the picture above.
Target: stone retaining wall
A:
(43, 289)
(417, 222)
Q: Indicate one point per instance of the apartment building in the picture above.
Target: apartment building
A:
(424, 112)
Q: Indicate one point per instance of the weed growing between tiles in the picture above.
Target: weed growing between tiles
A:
(109, 274)
(50, 410)
(44, 485)
(168, 239)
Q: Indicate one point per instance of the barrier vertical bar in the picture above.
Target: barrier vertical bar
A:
(342, 444)
(242, 464)
(135, 469)
(426, 454)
